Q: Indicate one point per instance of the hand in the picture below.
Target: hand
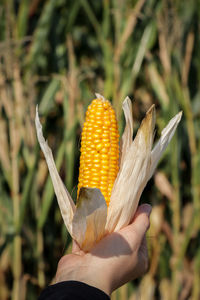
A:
(116, 259)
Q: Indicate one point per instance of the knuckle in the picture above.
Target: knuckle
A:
(62, 261)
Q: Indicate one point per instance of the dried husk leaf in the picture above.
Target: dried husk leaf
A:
(132, 176)
(127, 137)
(166, 136)
(65, 202)
(88, 225)
(99, 96)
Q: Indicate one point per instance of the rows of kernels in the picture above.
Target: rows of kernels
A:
(99, 148)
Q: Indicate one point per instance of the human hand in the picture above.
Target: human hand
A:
(118, 258)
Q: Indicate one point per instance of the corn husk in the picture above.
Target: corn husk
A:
(65, 202)
(127, 136)
(88, 225)
(166, 136)
(132, 176)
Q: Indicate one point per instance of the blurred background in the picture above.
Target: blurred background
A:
(57, 54)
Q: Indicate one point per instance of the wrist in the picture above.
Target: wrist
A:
(83, 270)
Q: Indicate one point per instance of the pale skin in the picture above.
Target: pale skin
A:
(118, 258)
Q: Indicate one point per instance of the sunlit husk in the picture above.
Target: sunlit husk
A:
(65, 201)
(88, 225)
(166, 136)
(132, 176)
(127, 137)
(99, 96)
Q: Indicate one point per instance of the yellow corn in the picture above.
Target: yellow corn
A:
(99, 148)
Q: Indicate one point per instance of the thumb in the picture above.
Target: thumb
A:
(135, 232)
(141, 222)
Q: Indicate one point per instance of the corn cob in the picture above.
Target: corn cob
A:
(99, 159)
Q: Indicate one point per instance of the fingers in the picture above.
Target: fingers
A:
(135, 232)
(144, 208)
(141, 222)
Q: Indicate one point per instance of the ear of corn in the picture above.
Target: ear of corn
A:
(91, 218)
(99, 160)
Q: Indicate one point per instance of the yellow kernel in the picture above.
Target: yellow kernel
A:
(104, 178)
(92, 119)
(85, 182)
(106, 123)
(88, 149)
(88, 165)
(96, 161)
(106, 197)
(92, 152)
(104, 150)
(94, 179)
(89, 143)
(103, 188)
(98, 118)
(99, 122)
(104, 156)
(99, 146)
(105, 161)
(113, 150)
(105, 167)
(97, 166)
(112, 174)
(105, 135)
(96, 136)
(86, 177)
(106, 141)
(107, 145)
(103, 182)
(112, 154)
(114, 128)
(89, 129)
(105, 105)
(103, 172)
(99, 112)
(96, 155)
(89, 138)
(111, 180)
(96, 141)
(113, 133)
(88, 160)
(98, 130)
(106, 115)
(93, 184)
(113, 171)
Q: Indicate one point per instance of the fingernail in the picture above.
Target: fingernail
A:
(148, 209)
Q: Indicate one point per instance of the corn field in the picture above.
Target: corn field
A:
(56, 54)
